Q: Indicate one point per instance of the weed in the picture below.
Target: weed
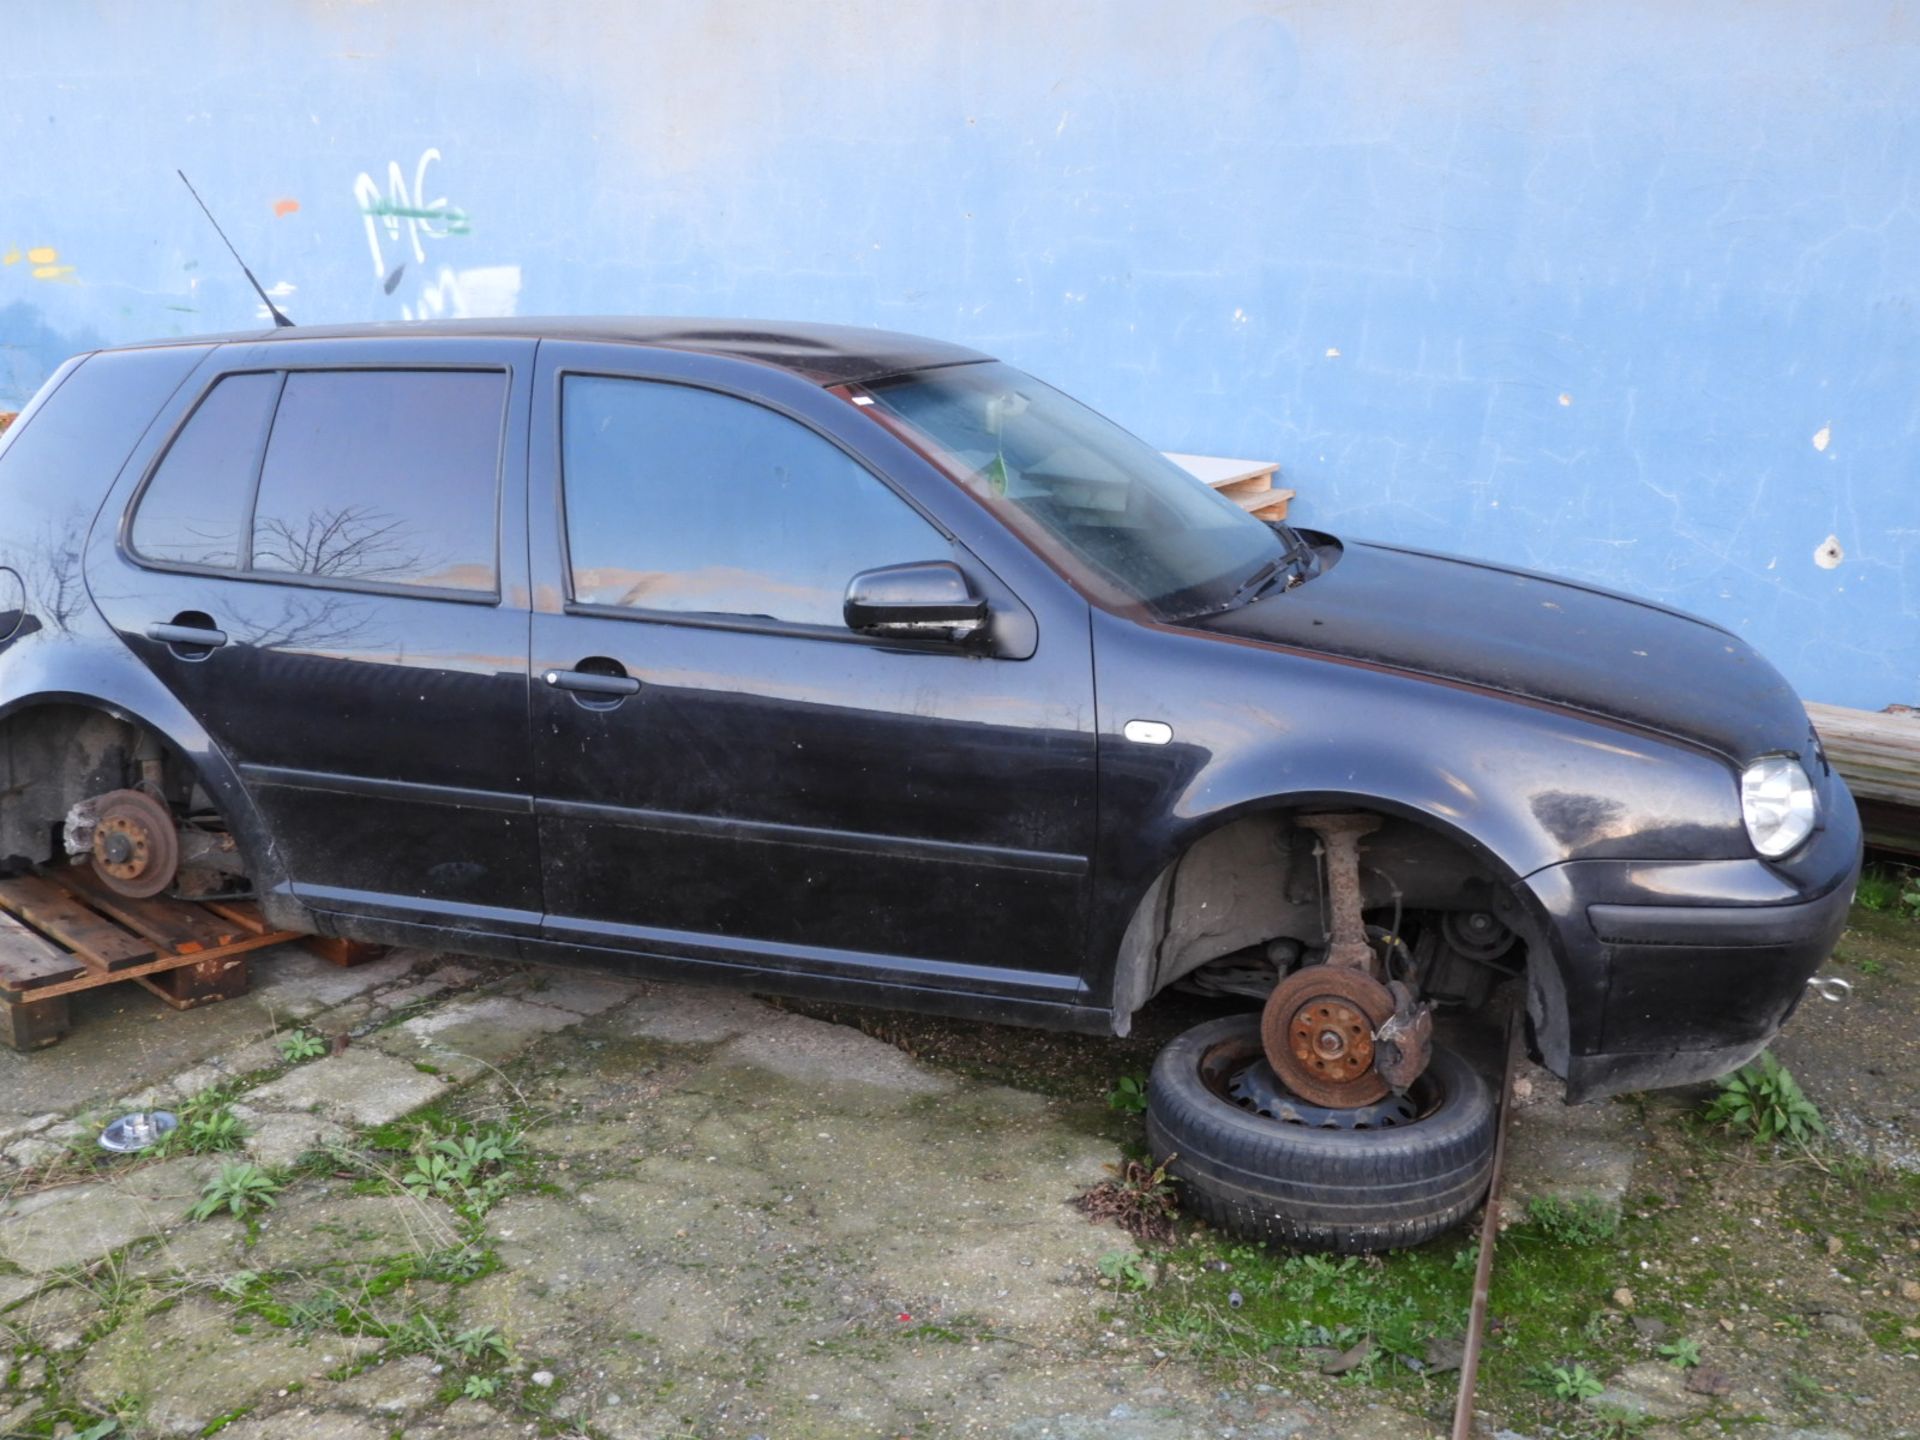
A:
(100, 1429)
(1573, 1382)
(211, 1132)
(1878, 888)
(1765, 1101)
(456, 1265)
(481, 1343)
(207, 1127)
(238, 1285)
(241, 1188)
(1128, 1095)
(1579, 1220)
(480, 1387)
(1611, 1422)
(1126, 1270)
(1466, 1259)
(424, 1335)
(465, 1169)
(298, 1045)
(111, 1285)
(1683, 1353)
(1139, 1199)
(1805, 1387)
(1890, 889)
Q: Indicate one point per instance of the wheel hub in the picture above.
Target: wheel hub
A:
(136, 849)
(1318, 1031)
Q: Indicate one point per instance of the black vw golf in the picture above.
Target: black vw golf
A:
(850, 664)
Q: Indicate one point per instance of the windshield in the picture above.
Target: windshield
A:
(1072, 481)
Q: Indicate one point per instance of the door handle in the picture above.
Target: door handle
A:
(588, 682)
(192, 635)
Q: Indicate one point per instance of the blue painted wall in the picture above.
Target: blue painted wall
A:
(1626, 291)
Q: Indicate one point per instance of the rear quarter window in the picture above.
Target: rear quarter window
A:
(58, 461)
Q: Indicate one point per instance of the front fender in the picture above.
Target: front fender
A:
(1520, 785)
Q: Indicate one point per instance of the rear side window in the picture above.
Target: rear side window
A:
(681, 499)
(196, 503)
(387, 476)
(383, 477)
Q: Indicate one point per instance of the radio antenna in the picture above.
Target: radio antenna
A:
(272, 309)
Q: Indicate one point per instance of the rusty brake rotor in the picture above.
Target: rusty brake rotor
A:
(1318, 1029)
(136, 847)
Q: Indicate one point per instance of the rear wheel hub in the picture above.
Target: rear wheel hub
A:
(136, 848)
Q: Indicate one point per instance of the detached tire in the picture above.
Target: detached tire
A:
(1349, 1191)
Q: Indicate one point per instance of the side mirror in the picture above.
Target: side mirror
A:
(928, 600)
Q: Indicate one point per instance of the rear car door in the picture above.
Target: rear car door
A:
(323, 556)
(761, 785)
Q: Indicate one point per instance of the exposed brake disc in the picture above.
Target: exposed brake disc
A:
(1318, 1033)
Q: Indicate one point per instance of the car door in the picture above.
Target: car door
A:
(724, 771)
(324, 558)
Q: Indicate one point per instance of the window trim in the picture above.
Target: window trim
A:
(720, 619)
(493, 597)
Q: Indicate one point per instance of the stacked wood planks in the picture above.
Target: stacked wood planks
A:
(1878, 755)
(1248, 483)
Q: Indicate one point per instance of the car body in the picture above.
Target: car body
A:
(495, 729)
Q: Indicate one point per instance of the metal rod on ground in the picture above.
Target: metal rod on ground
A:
(1489, 1234)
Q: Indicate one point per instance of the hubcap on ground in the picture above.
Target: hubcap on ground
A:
(1317, 1031)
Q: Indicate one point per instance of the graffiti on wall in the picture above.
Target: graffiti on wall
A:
(404, 229)
(43, 260)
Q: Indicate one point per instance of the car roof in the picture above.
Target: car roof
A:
(825, 354)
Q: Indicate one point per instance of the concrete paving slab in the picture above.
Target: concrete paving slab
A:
(72, 1224)
(360, 1086)
(686, 1015)
(299, 984)
(584, 994)
(187, 1367)
(485, 1028)
(1568, 1152)
(813, 1052)
(277, 1138)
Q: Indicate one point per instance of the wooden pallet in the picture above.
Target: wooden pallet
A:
(1878, 755)
(63, 931)
(1248, 483)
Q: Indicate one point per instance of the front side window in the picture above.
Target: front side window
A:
(195, 506)
(1081, 488)
(688, 501)
(384, 476)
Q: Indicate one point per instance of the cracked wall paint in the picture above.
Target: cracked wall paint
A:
(1376, 244)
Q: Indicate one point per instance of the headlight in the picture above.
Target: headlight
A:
(1776, 798)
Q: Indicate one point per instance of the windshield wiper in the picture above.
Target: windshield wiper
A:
(1300, 555)
(1298, 561)
(1248, 588)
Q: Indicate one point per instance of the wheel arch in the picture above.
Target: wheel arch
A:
(171, 726)
(1206, 897)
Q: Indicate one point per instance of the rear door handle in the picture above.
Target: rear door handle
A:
(586, 682)
(187, 635)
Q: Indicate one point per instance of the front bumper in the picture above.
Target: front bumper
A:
(1669, 973)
